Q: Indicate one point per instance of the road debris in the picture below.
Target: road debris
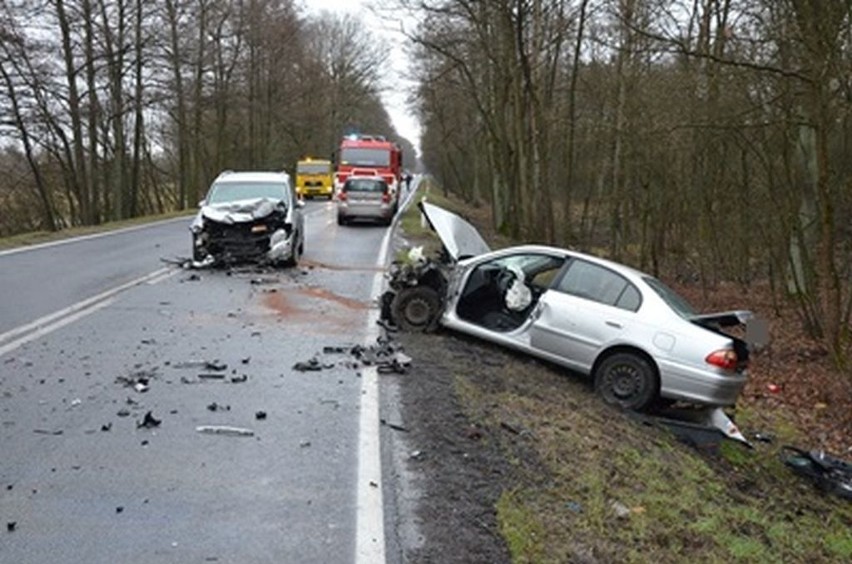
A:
(224, 430)
(48, 432)
(312, 365)
(239, 379)
(394, 426)
(211, 376)
(386, 355)
(621, 510)
(106, 427)
(829, 474)
(218, 407)
(148, 422)
(260, 415)
(11, 526)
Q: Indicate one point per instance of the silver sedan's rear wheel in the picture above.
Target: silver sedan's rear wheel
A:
(415, 309)
(626, 380)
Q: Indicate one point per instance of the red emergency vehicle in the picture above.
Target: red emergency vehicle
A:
(369, 155)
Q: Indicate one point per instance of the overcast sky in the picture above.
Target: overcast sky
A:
(394, 97)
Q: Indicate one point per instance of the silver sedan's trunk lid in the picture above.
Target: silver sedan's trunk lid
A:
(460, 238)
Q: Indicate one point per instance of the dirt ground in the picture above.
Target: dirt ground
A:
(461, 451)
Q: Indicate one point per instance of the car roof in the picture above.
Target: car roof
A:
(253, 176)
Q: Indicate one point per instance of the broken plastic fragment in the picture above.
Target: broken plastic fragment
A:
(208, 376)
(312, 365)
(148, 422)
(224, 430)
(828, 473)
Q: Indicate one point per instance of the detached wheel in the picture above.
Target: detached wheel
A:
(626, 380)
(414, 309)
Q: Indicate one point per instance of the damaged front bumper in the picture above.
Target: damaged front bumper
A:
(259, 234)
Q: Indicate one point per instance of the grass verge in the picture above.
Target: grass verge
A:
(38, 237)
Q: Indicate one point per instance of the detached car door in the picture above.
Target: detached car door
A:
(587, 307)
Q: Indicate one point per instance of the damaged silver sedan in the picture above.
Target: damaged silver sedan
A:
(640, 341)
(249, 217)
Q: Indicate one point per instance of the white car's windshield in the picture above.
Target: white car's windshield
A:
(223, 192)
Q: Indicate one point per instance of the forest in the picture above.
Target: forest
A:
(705, 140)
(111, 109)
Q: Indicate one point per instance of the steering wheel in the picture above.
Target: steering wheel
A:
(504, 281)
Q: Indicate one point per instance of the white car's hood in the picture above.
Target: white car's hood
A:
(240, 211)
(460, 238)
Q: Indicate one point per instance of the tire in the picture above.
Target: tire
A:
(341, 220)
(627, 380)
(416, 309)
(293, 261)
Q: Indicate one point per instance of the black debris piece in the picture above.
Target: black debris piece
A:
(218, 407)
(47, 432)
(260, 415)
(106, 427)
(312, 365)
(10, 526)
(394, 426)
(211, 376)
(214, 365)
(246, 360)
(149, 421)
(239, 379)
(123, 412)
(119, 509)
(139, 380)
(192, 278)
(830, 474)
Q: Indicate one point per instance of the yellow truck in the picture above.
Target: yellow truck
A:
(314, 177)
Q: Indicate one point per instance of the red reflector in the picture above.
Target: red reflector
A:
(724, 358)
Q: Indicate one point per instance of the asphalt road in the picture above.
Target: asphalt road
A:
(82, 481)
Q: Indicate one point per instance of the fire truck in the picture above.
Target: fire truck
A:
(369, 155)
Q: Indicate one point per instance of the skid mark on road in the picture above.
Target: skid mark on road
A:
(347, 268)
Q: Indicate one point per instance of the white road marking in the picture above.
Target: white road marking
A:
(51, 322)
(370, 527)
(92, 236)
(42, 331)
